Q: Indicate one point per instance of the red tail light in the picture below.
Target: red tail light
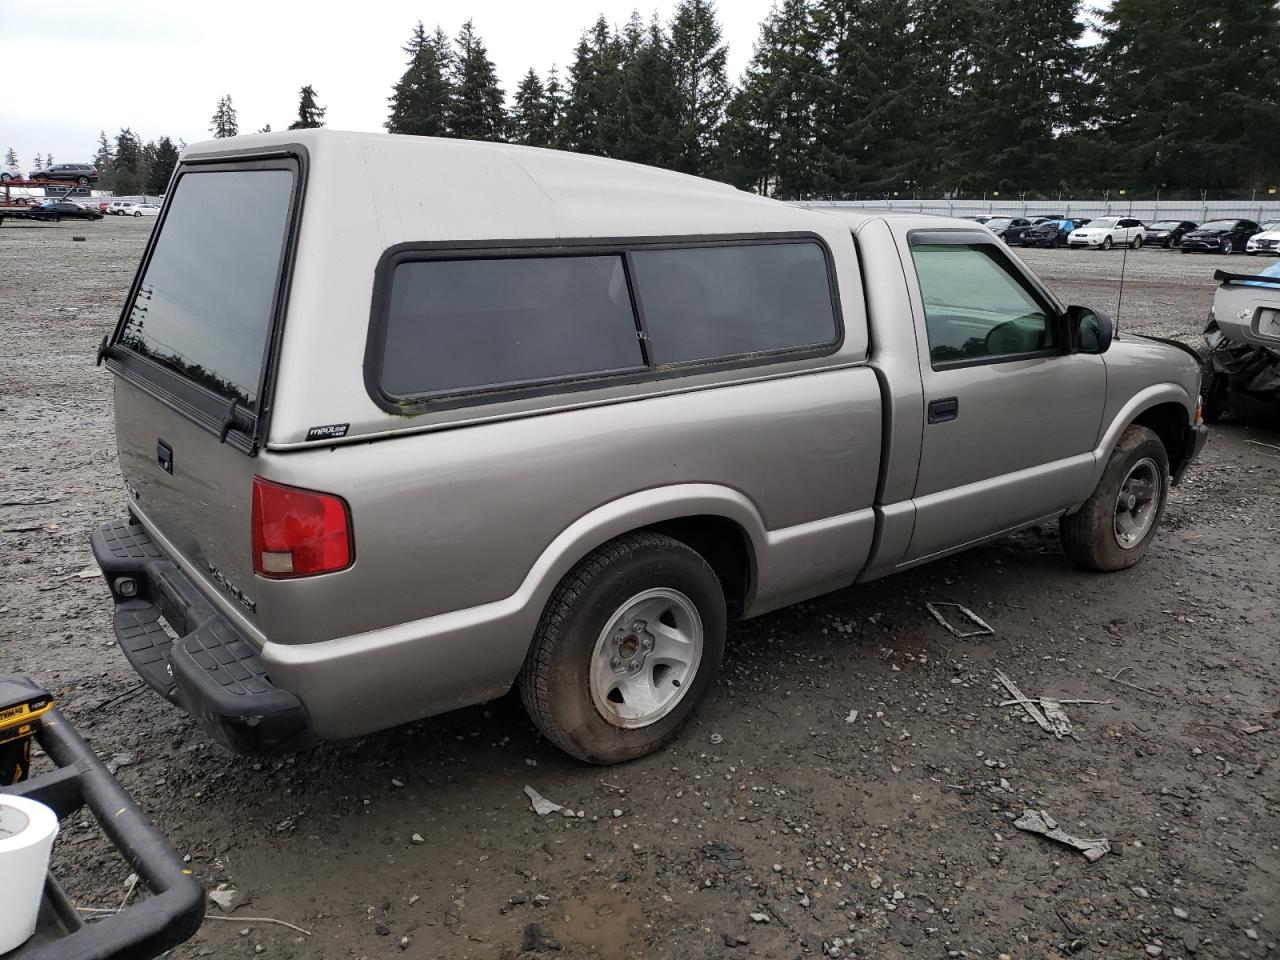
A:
(298, 533)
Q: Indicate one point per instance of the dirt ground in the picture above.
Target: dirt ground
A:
(886, 836)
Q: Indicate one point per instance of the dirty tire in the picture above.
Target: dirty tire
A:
(555, 680)
(1088, 535)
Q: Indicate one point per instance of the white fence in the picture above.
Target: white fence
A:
(1145, 210)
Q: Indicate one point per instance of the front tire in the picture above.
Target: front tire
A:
(629, 644)
(1117, 524)
(1228, 246)
(1106, 243)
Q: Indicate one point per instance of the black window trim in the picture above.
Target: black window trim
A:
(418, 251)
(1017, 272)
(210, 410)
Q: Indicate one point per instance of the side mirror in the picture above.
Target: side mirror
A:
(1089, 330)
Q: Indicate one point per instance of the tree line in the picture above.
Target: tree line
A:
(869, 97)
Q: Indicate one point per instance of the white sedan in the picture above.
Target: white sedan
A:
(1266, 240)
(139, 210)
(1107, 232)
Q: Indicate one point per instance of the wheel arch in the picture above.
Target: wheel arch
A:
(1165, 408)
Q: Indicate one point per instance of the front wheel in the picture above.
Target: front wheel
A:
(1228, 246)
(83, 181)
(629, 644)
(1106, 243)
(1117, 524)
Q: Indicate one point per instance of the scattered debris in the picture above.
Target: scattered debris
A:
(417, 838)
(759, 917)
(984, 628)
(725, 853)
(1057, 718)
(35, 501)
(852, 717)
(535, 941)
(24, 528)
(124, 759)
(716, 739)
(1115, 678)
(226, 897)
(1252, 728)
(1028, 705)
(541, 805)
(98, 911)
(1037, 821)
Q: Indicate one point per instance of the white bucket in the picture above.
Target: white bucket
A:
(27, 829)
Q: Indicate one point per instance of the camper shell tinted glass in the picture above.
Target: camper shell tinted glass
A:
(200, 321)
(495, 322)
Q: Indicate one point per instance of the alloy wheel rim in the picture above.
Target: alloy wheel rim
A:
(1136, 504)
(646, 657)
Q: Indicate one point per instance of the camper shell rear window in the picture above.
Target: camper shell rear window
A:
(199, 323)
(491, 323)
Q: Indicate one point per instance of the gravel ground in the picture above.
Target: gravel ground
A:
(779, 824)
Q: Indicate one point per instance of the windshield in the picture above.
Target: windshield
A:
(1269, 225)
(1164, 225)
(204, 304)
(1103, 222)
(999, 222)
(1219, 225)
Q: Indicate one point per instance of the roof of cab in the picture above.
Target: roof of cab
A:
(433, 189)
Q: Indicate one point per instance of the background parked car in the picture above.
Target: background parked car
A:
(1049, 233)
(82, 173)
(56, 210)
(11, 173)
(140, 210)
(1219, 236)
(1167, 233)
(1001, 225)
(1107, 232)
(1015, 231)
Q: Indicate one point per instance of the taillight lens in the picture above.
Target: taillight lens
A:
(299, 533)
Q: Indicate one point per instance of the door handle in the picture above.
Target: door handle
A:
(940, 411)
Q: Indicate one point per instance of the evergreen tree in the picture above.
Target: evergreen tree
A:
(477, 111)
(698, 55)
(532, 121)
(555, 106)
(48, 161)
(595, 77)
(310, 113)
(1210, 120)
(420, 99)
(649, 101)
(266, 128)
(128, 169)
(769, 137)
(11, 157)
(37, 163)
(224, 119)
(160, 166)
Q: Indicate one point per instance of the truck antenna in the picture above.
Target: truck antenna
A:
(1124, 260)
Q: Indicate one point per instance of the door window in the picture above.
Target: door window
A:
(975, 309)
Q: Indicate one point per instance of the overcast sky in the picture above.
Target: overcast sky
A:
(160, 66)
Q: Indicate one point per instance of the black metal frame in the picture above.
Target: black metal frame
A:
(554, 247)
(151, 925)
(243, 429)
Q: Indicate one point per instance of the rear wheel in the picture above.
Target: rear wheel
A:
(1137, 242)
(629, 644)
(137, 213)
(83, 181)
(1117, 524)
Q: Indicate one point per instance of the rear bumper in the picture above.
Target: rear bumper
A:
(206, 667)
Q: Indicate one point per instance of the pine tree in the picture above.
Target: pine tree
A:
(265, 128)
(555, 106)
(48, 161)
(127, 168)
(162, 163)
(420, 99)
(310, 113)
(595, 77)
(477, 111)
(224, 119)
(699, 55)
(1207, 121)
(648, 109)
(769, 137)
(37, 163)
(11, 157)
(532, 121)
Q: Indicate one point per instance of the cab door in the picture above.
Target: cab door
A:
(1011, 415)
